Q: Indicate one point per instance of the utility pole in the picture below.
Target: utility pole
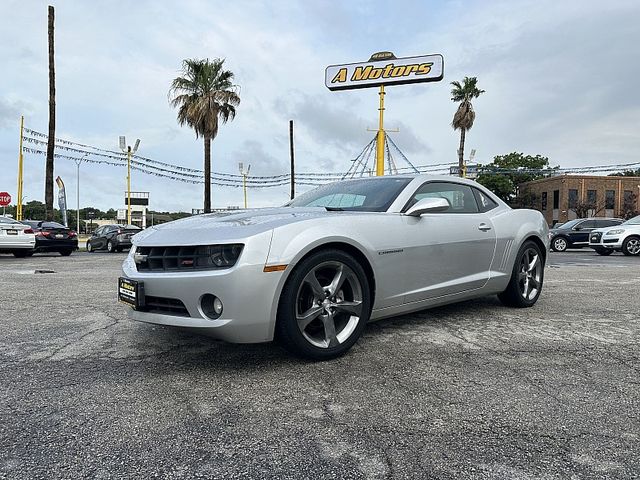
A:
(244, 180)
(129, 151)
(78, 162)
(20, 161)
(48, 183)
(293, 169)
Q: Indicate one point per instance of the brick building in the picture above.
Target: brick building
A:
(561, 197)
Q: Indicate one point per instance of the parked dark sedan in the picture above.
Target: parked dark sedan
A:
(53, 237)
(113, 238)
(575, 233)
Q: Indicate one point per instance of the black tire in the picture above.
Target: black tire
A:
(631, 246)
(559, 244)
(21, 253)
(66, 253)
(119, 249)
(111, 248)
(298, 293)
(89, 247)
(603, 251)
(513, 295)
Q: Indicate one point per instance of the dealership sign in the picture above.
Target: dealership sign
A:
(383, 68)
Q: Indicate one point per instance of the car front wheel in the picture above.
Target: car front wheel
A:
(324, 306)
(631, 246)
(604, 251)
(89, 247)
(559, 244)
(527, 277)
(111, 248)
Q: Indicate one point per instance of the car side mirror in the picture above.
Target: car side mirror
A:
(577, 228)
(428, 205)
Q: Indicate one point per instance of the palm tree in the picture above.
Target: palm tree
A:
(204, 95)
(464, 116)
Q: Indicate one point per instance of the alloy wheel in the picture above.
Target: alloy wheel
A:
(530, 274)
(329, 304)
(633, 246)
(560, 244)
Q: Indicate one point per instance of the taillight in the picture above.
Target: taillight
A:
(72, 234)
(42, 233)
(28, 230)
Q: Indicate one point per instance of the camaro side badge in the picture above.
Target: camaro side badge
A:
(396, 250)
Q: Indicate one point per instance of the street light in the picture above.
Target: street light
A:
(244, 180)
(78, 162)
(129, 151)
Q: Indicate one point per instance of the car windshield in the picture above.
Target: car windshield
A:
(7, 220)
(633, 221)
(367, 195)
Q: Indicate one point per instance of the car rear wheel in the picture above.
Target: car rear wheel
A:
(559, 244)
(66, 253)
(111, 248)
(21, 253)
(324, 306)
(527, 277)
(631, 246)
(604, 251)
(89, 247)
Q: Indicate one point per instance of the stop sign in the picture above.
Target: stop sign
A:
(5, 199)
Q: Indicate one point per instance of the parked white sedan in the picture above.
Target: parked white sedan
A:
(16, 237)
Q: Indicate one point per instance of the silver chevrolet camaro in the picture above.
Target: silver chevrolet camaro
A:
(312, 273)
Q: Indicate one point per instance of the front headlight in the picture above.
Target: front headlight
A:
(550, 235)
(219, 256)
(617, 231)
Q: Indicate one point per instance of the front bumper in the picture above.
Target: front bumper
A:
(613, 242)
(248, 294)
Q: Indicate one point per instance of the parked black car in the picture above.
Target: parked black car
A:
(113, 238)
(53, 237)
(575, 233)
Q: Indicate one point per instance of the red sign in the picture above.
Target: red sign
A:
(5, 199)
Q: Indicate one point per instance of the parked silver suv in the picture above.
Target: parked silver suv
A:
(623, 238)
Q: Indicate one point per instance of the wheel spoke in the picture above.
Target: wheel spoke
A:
(532, 263)
(525, 290)
(316, 288)
(330, 330)
(304, 319)
(534, 283)
(338, 280)
(352, 308)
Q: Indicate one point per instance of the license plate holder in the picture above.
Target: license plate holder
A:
(12, 232)
(131, 293)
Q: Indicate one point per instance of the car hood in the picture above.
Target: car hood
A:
(230, 227)
(628, 227)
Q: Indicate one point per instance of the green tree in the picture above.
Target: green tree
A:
(464, 117)
(506, 172)
(204, 95)
(626, 173)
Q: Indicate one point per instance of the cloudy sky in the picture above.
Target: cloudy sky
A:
(559, 79)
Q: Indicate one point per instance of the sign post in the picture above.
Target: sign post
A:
(383, 68)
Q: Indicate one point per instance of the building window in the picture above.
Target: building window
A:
(628, 198)
(556, 199)
(610, 199)
(573, 198)
(544, 201)
(592, 197)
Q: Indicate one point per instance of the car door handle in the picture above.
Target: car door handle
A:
(484, 227)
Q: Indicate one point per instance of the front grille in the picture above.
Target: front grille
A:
(595, 237)
(186, 258)
(168, 306)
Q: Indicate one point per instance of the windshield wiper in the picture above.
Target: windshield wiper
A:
(334, 209)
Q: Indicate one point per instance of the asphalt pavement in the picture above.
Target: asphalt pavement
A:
(473, 390)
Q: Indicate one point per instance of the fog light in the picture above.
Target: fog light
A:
(211, 306)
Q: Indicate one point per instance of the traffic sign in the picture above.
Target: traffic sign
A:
(5, 199)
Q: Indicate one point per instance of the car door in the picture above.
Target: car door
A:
(579, 234)
(448, 252)
(97, 239)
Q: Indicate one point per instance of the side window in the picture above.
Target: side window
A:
(484, 202)
(588, 224)
(460, 197)
(608, 223)
(98, 231)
